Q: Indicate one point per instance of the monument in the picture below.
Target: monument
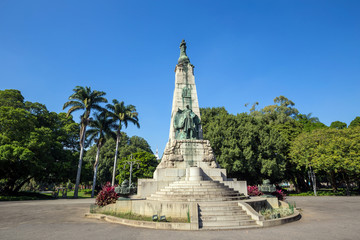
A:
(186, 155)
(188, 183)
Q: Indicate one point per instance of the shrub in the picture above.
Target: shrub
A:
(279, 194)
(107, 195)
(253, 191)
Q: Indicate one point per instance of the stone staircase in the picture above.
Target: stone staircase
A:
(224, 215)
(196, 191)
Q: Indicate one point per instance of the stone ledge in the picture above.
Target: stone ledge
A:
(279, 221)
(144, 224)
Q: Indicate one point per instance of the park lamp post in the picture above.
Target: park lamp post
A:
(131, 162)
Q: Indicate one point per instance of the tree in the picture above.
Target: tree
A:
(146, 168)
(338, 125)
(333, 151)
(126, 147)
(355, 122)
(140, 143)
(83, 99)
(11, 98)
(283, 110)
(309, 123)
(100, 129)
(245, 145)
(121, 114)
(34, 145)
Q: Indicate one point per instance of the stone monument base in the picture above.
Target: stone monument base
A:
(164, 176)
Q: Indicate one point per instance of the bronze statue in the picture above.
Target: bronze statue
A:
(186, 124)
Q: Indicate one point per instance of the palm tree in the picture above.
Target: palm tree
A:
(100, 129)
(121, 114)
(83, 99)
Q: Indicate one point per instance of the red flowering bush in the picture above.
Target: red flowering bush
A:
(253, 191)
(279, 194)
(106, 196)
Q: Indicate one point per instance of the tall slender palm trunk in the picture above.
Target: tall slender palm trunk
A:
(82, 143)
(95, 170)
(115, 158)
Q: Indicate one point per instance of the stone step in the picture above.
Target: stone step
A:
(225, 218)
(196, 188)
(197, 185)
(204, 196)
(203, 193)
(229, 227)
(224, 212)
(210, 204)
(192, 199)
(196, 182)
(219, 208)
(230, 223)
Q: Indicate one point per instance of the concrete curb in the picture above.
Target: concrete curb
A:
(144, 224)
(186, 226)
(279, 221)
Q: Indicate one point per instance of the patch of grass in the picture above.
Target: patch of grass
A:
(21, 196)
(133, 216)
(325, 192)
(70, 194)
(273, 213)
(129, 215)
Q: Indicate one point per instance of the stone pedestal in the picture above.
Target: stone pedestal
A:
(195, 174)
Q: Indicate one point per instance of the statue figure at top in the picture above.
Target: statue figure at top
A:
(186, 124)
(183, 57)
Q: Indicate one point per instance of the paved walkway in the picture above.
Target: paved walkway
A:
(322, 218)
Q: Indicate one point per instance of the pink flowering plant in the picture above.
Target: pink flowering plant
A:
(279, 194)
(107, 195)
(253, 191)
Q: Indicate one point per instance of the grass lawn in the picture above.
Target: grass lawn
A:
(326, 192)
(43, 196)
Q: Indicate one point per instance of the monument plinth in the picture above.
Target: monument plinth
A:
(186, 147)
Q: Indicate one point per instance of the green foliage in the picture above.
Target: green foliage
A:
(126, 147)
(22, 196)
(282, 111)
(11, 98)
(355, 122)
(85, 99)
(326, 192)
(34, 144)
(245, 145)
(147, 166)
(338, 125)
(309, 123)
(335, 152)
(273, 213)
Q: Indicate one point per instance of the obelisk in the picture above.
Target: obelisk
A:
(185, 91)
(187, 156)
(186, 147)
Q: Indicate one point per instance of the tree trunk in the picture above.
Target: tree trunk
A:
(95, 170)
(300, 184)
(346, 180)
(333, 181)
(82, 143)
(115, 159)
(22, 184)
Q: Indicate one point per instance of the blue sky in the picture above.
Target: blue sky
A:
(243, 52)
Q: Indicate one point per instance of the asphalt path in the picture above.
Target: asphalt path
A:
(322, 218)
